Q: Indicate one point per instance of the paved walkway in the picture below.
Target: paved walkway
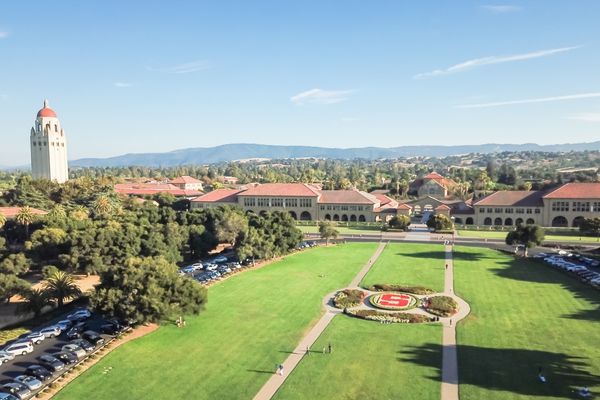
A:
(449, 350)
(275, 382)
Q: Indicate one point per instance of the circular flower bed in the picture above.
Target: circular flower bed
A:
(348, 298)
(442, 306)
(393, 301)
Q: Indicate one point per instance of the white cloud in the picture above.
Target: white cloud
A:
(587, 117)
(123, 84)
(529, 101)
(320, 96)
(4, 34)
(501, 8)
(480, 62)
(184, 68)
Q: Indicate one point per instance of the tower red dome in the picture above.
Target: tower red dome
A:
(46, 111)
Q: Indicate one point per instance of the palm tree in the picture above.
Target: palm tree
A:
(25, 217)
(57, 212)
(61, 286)
(102, 205)
(34, 302)
(2, 220)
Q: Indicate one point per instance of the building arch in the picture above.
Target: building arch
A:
(336, 217)
(469, 221)
(487, 221)
(327, 217)
(344, 218)
(508, 221)
(293, 214)
(519, 221)
(458, 220)
(305, 216)
(560, 221)
(361, 218)
(498, 221)
(530, 221)
(577, 221)
(353, 218)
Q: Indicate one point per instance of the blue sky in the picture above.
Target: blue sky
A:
(156, 76)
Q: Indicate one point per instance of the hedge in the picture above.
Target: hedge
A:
(442, 306)
(384, 287)
(348, 298)
(398, 317)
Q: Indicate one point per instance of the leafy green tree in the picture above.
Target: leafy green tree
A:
(440, 222)
(527, 236)
(399, 222)
(15, 264)
(102, 206)
(34, 301)
(147, 290)
(25, 217)
(11, 285)
(61, 286)
(48, 243)
(590, 226)
(328, 231)
(232, 225)
(2, 220)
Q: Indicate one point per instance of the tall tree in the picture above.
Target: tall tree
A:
(25, 217)
(440, 222)
(61, 286)
(2, 220)
(34, 301)
(232, 225)
(527, 236)
(328, 231)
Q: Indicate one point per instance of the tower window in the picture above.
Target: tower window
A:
(55, 128)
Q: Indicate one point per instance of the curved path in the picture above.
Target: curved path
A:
(273, 384)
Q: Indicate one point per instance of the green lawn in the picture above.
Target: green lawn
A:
(366, 363)
(228, 352)
(549, 238)
(524, 315)
(409, 264)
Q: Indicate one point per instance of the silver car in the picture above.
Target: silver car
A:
(5, 357)
(36, 337)
(73, 348)
(51, 331)
(29, 381)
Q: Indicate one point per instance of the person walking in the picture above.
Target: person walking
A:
(281, 372)
(329, 348)
(450, 321)
(307, 351)
(446, 265)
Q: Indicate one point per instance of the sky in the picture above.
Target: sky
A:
(155, 76)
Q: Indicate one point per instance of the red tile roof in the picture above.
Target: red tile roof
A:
(11, 212)
(184, 179)
(383, 199)
(589, 190)
(434, 176)
(346, 197)
(142, 189)
(220, 196)
(282, 189)
(404, 206)
(442, 207)
(516, 198)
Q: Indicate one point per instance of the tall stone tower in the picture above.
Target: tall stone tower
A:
(48, 147)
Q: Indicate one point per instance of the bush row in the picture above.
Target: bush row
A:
(381, 316)
(442, 306)
(384, 287)
(348, 298)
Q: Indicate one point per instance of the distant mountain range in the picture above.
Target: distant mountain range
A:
(242, 151)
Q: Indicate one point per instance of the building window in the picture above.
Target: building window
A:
(529, 211)
(360, 208)
(520, 211)
(581, 206)
(508, 210)
(276, 202)
(498, 211)
(537, 211)
(322, 208)
(560, 206)
(490, 211)
(249, 201)
(262, 202)
(55, 128)
(596, 206)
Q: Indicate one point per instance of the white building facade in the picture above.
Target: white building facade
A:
(48, 147)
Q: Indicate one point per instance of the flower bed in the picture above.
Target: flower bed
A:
(384, 287)
(399, 317)
(393, 301)
(348, 298)
(442, 306)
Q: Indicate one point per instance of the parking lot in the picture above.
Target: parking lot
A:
(50, 345)
(584, 269)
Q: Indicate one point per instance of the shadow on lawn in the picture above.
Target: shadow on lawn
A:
(509, 370)
(438, 255)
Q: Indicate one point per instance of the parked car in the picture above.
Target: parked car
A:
(52, 363)
(80, 315)
(6, 357)
(17, 389)
(64, 324)
(66, 358)
(77, 350)
(31, 382)
(36, 337)
(111, 328)
(51, 331)
(93, 337)
(76, 330)
(84, 344)
(220, 259)
(7, 396)
(19, 349)
(38, 372)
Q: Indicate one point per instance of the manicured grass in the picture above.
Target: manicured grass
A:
(524, 315)
(409, 264)
(229, 351)
(367, 362)
(549, 238)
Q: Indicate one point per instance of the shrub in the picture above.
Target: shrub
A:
(442, 306)
(399, 317)
(384, 287)
(348, 298)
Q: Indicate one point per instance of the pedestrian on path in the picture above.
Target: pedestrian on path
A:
(446, 265)
(329, 348)
(450, 321)
(281, 369)
(307, 351)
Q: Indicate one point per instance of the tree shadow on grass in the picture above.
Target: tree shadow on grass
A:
(437, 255)
(510, 370)
(260, 371)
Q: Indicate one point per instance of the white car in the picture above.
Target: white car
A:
(36, 337)
(19, 349)
(5, 357)
(29, 381)
(51, 331)
(220, 259)
(75, 349)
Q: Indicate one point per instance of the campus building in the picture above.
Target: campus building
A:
(304, 202)
(183, 186)
(48, 145)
